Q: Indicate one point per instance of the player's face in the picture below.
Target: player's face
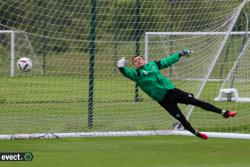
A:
(138, 61)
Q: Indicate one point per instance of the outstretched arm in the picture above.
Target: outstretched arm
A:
(168, 61)
(127, 72)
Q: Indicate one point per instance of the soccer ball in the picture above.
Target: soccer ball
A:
(24, 64)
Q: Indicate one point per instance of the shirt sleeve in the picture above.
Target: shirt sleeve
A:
(168, 61)
(128, 72)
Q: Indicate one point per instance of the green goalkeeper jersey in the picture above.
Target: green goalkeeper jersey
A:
(150, 79)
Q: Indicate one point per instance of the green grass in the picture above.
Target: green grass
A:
(152, 151)
(60, 104)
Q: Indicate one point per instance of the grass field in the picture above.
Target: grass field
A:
(149, 151)
(60, 104)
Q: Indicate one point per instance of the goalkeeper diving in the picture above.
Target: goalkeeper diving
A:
(160, 88)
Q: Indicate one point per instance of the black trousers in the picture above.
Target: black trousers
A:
(175, 96)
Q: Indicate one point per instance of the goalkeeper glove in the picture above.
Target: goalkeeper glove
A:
(122, 62)
(184, 52)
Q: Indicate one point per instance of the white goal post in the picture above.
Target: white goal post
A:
(147, 34)
(12, 51)
(120, 133)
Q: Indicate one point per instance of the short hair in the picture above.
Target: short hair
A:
(135, 57)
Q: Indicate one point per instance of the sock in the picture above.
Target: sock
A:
(196, 132)
(223, 112)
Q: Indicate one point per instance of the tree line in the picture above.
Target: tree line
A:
(60, 25)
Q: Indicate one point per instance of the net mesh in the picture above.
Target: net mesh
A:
(56, 96)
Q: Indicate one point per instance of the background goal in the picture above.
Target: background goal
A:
(75, 88)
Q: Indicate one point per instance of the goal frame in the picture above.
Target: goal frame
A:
(12, 51)
(120, 133)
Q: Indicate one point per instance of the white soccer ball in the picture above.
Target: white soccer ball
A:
(24, 64)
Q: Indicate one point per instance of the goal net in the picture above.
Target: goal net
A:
(203, 72)
(75, 89)
(14, 45)
(235, 85)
